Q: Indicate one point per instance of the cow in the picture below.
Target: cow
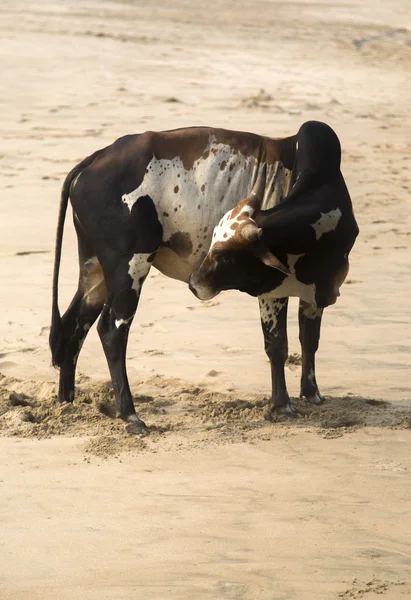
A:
(218, 210)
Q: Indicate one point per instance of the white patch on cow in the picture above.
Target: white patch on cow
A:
(310, 312)
(292, 260)
(193, 200)
(139, 266)
(290, 286)
(326, 223)
(294, 288)
(225, 229)
(119, 322)
(269, 310)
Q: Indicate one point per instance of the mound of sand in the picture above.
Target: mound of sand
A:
(175, 413)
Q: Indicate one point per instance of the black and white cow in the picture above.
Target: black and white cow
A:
(195, 204)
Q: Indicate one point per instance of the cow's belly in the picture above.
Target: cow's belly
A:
(172, 265)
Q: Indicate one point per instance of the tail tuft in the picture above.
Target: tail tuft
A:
(56, 340)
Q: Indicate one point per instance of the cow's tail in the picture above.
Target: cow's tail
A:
(56, 338)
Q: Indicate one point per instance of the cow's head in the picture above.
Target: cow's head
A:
(236, 258)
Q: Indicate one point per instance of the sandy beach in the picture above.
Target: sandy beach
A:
(216, 502)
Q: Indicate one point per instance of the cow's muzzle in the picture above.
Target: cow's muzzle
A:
(192, 289)
(199, 290)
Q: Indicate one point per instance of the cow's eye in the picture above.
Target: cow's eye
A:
(224, 259)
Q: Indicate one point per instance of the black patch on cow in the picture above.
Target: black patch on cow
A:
(141, 228)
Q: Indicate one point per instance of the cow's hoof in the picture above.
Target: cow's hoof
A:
(315, 398)
(281, 413)
(135, 426)
(66, 398)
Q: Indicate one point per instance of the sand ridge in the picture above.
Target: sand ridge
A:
(196, 416)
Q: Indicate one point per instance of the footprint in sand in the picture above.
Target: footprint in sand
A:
(28, 252)
(203, 305)
(213, 373)
(230, 349)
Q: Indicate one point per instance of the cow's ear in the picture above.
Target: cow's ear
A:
(272, 261)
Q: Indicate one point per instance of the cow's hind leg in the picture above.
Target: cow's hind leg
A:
(310, 324)
(274, 323)
(124, 282)
(79, 317)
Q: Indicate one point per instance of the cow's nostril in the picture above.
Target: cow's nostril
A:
(192, 289)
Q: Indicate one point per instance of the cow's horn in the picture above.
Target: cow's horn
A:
(251, 232)
(259, 186)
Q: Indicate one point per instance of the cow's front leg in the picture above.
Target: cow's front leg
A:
(310, 323)
(273, 314)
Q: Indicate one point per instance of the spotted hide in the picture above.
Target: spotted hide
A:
(171, 200)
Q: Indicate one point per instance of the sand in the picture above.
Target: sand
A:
(215, 502)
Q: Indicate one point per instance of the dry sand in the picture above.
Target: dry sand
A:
(215, 503)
